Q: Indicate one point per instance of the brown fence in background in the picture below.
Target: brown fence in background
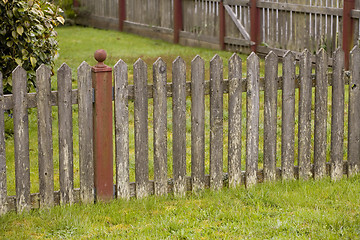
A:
(312, 157)
(236, 25)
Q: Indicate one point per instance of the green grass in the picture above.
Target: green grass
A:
(289, 210)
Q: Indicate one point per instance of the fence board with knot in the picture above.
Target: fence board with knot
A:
(301, 126)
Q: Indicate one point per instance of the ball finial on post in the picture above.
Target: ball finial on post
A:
(100, 57)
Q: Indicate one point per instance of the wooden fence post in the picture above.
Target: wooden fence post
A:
(321, 96)
(86, 163)
(216, 123)
(222, 25)
(21, 140)
(102, 118)
(252, 119)
(179, 126)
(270, 116)
(122, 14)
(3, 186)
(141, 129)
(121, 96)
(46, 166)
(255, 24)
(65, 135)
(348, 29)
(178, 20)
(288, 117)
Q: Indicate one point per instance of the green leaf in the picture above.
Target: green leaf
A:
(18, 61)
(20, 30)
(33, 61)
(61, 20)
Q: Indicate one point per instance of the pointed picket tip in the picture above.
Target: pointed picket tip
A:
(83, 66)
(178, 60)
(159, 62)
(216, 57)
(140, 63)
(120, 64)
(235, 58)
(321, 51)
(271, 56)
(43, 69)
(253, 56)
(289, 54)
(355, 50)
(19, 70)
(64, 67)
(339, 53)
(196, 59)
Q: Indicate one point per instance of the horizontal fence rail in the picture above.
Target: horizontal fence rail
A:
(246, 129)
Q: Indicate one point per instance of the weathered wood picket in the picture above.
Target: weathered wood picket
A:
(181, 181)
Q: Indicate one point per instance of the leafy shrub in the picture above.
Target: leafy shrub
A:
(68, 7)
(27, 37)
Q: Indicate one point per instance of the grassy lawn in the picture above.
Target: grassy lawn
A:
(317, 210)
(289, 210)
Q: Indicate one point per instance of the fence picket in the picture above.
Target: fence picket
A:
(66, 173)
(216, 123)
(305, 92)
(270, 116)
(321, 95)
(141, 129)
(197, 123)
(179, 126)
(3, 185)
(121, 130)
(337, 116)
(288, 117)
(235, 92)
(45, 152)
(354, 114)
(160, 127)
(86, 159)
(252, 119)
(21, 140)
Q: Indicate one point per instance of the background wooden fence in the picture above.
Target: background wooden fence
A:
(312, 159)
(278, 25)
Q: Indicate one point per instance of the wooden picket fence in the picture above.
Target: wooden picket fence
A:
(183, 181)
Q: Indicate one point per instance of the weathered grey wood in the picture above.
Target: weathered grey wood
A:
(197, 123)
(288, 117)
(321, 95)
(66, 171)
(234, 132)
(216, 123)
(86, 165)
(252, 119)
(121, 114)
(354, 114)
(45, 152)
(160, 127)
(305, 92)
(270, 116)
(3, 185)
(179, 125)
(238, 24)
(300, 8)
(337, 116)
(141, 129)
(21, 140)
